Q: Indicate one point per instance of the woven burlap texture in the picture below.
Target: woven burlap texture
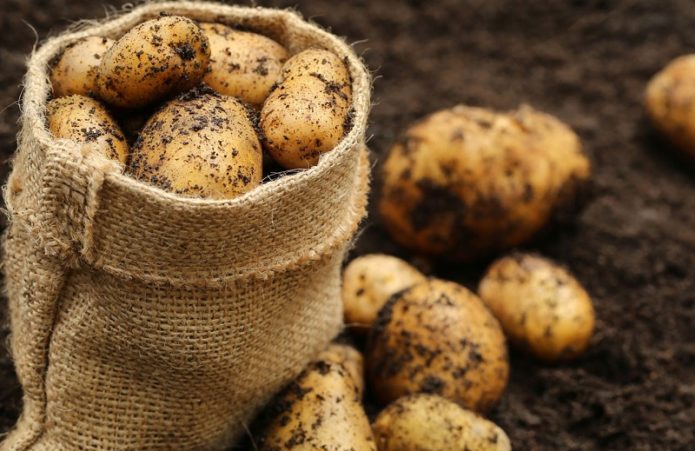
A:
(144, 320)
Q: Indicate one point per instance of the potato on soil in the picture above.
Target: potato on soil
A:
(75, 70)
(432, 423)
(369, 281)
(670, 102)
(85, 120)
(439, 338)
(308, 113)
(541, 307)
(199, 145)
(321, 410)
(465, 182)
(158, 58)
(242, 64)
(350, 358)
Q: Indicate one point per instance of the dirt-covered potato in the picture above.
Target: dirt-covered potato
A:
(369, 281)
(437, 337)
(321, 410)
(157, 58)
(242, 64)
(200, 145)
(308, 113)
(75, 70)
(85, 120)
(467, 181)
(670, 102)
(541, 307)
(350, 358)
(431, 423)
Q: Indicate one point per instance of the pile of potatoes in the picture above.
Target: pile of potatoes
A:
(192, 107)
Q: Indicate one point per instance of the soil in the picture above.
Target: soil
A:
(633, 246)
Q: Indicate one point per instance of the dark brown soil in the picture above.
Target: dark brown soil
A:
(633, 246)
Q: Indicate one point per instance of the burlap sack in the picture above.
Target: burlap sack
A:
(143, 320)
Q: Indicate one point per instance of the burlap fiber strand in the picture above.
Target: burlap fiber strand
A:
(142, 320)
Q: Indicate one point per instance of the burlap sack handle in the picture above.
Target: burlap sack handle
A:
(91, 211)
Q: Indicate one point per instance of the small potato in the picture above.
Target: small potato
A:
(437, 337)
(75, 70)
(309, 111)
(85, 120)
(242, 64)
(670, 102)
(466, 182)
(369, 281)
(350, 358)
(202, 145)
(321, 410)
(432, 423)
(155, 59)
(541, 307)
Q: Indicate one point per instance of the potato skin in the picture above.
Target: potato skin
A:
(242, 64)
(85, 120)
(350, 358)
(466, 182)
(541, 307)
(670, 102)
(308, 113)
(155, 59)
(431, 423)
(369, 281)
(75, 70)
(199, 145)
(321, 410)
(437, 337)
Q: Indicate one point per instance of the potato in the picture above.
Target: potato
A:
(432, 423)
(321, 410)
(155, 59)
(350, 358)
(465, 182)
(75, 70)
(308, 113)
(85, 120)
(369, 281)
(200, 145)
(541, 307)
(242, 64)
(437, 337)
(670, 102)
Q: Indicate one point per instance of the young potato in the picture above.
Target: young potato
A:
(437, 337)
(308, 113)
(201, 144)
(465, 182)
(541, 307)
(85, 120)
(369, 281)
(350, 358)
(432, 423)
(670, 102)
(321, 410)
(75, 70)
(242, 64)
(155, 59)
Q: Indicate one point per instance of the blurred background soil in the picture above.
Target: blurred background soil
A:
(633, 246)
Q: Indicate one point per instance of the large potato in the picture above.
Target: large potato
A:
(369, 281)
(157, 58)
(350, 358)
(467, 181)
(541, 307)
(432, 423)
(242, 64)
(670, 102)
(321, 410)
(437, 337)
(75, 70)
(85, 120)
(202, 145)
(308, 113)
